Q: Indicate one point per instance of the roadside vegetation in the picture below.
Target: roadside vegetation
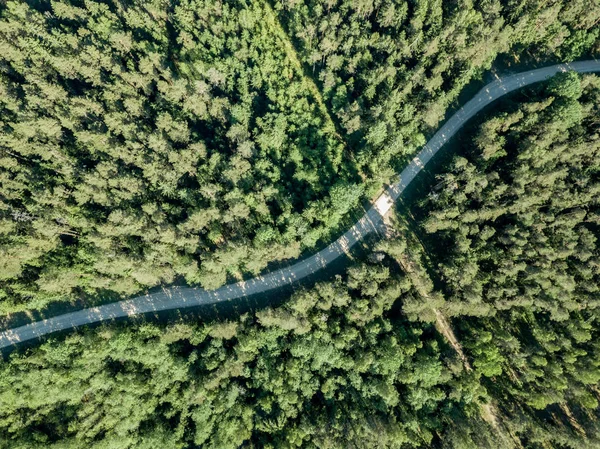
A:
(512, 225)
(398, 352)
(335, 364)
(143, 143)
(146, 143)
(390, 70)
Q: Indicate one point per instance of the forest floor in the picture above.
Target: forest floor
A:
(569, 414)
(444, 328)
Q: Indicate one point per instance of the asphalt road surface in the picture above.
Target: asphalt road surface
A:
(371, 222)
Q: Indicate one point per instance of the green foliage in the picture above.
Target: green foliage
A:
(332, 366)
(515, 232)
(142, 142)
(390, 69)
(148, 141)
(517, 211)
(139, 146)
(567, 84)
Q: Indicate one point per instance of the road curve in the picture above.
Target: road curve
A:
(371, 222)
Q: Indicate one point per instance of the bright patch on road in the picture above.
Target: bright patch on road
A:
(383, 204)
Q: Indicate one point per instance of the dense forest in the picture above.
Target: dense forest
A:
(334, 364)
(364, 360)
(517, 214)
(146, 143)
(389, 70)
(138, 146)
(513, 227)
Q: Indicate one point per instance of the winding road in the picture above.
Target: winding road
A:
(371, 222)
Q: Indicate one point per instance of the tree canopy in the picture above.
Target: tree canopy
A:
(148, 142)
(144, 143)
